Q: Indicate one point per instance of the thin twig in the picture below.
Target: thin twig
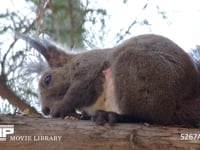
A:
(70, 9)
(13, 43)
(121, 37)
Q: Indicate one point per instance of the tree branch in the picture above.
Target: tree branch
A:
(13, 99)
(79, 135)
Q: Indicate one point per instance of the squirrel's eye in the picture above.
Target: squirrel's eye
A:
(47, 80)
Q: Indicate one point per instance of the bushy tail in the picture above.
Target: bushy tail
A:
(188, 113)
(195, 54)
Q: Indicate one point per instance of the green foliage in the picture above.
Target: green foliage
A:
(62, 20)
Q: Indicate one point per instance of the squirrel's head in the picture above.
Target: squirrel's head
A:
(68, 74)
(53, 86)
(56, 79)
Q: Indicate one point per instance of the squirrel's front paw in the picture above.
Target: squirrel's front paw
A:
(101, 117)
(60, 109)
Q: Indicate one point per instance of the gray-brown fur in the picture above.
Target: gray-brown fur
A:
(154, 80)
(151, 79)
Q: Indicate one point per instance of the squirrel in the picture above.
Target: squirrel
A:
(147, 78)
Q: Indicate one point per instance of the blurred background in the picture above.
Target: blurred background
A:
(80, 25)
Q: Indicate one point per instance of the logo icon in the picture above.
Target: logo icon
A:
(5, 130)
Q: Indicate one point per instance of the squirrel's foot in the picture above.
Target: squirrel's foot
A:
(101, 117)
(85, 116)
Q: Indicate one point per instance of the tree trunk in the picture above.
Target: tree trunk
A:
(29, 133)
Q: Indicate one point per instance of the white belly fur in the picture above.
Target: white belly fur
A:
(107, 100)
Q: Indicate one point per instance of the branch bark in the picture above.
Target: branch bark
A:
(86, 135)
(13, 99)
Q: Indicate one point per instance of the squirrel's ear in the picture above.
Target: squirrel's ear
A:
(55, 56)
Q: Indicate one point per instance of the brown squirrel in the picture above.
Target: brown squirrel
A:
(146, 78)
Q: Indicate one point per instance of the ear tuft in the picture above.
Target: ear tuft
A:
(55, 56)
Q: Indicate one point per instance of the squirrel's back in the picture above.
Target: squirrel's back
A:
(153, 78)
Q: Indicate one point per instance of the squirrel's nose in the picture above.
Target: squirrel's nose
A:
(46, 110)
